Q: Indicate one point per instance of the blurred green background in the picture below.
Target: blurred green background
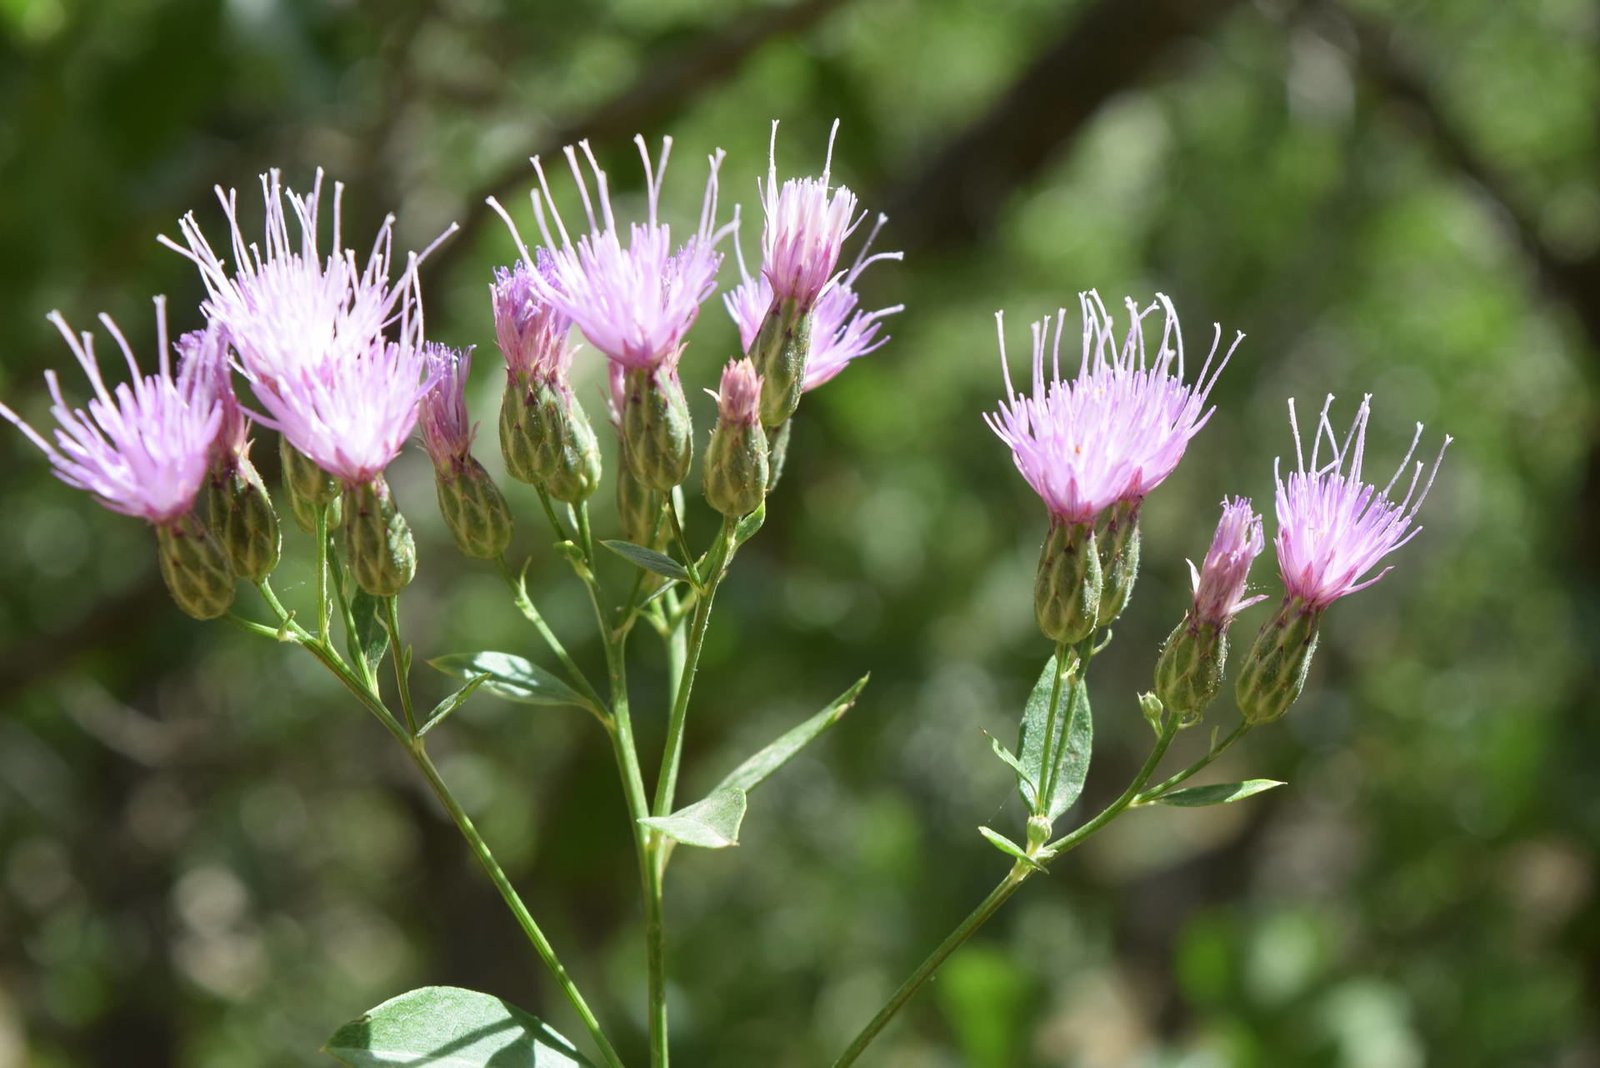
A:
(209, 856)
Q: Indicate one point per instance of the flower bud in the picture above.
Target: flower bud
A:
(736, 461)
(1189, 672)
(474, 508)
(308, 487)
(194, 567)
(1275, 671)
(378, 547)
(243, 521)
(1120, 562)
(780, 350)
(1066, 591)
(656, 433)
(547, 440)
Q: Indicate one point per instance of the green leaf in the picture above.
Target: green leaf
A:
(1009, 848)
(370, 641)
(1220, 794)
(711, 823)
(510, 677)
(747, 527)
(749, 775)
(648, 559)
(1011, 762)
(1071, 756)
(448, 1027)
(450, 704)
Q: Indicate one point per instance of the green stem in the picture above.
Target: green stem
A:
(1193, 769)
(1169, 730)
(322, 572)
(525, 605)
(968, 927)
(1041, 800)
(402, 661)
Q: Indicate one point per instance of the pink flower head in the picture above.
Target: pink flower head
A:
(447, 432)
(634, 302)
(1118, 428)
(1333, 528)
(310, 332)
(205, 355)
(805, 228)
(144, 448)
(739, 396)
(532, 333)
(1219, 582)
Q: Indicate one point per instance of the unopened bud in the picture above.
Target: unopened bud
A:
(474, 508)
(656, 433)
(1189, 673)
(1119, 551)
(194, 567)
(1066, 591)
(308, 486)
(243, 520)
(780, 350)
(736, 460)
(547, 440)
(379, 550)
(1275, 671)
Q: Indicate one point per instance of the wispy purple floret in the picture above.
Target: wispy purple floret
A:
(1219, 583)
(447, 431)
(1118, 428)
(310, 332)
(1333, 528)
(805, 228)
(205, 354)
(634, 302)
(143, 449)
(531, 332)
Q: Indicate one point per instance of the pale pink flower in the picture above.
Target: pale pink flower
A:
(805, 228)
(144, 448)
(531, 332)
(447, 430)
(205, 354)
(1333, 528)
(739, 394)
(1118, 428)
(1219, 583)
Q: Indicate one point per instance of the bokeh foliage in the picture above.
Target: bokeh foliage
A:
(208, 856)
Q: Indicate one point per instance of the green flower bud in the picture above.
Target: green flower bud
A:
(656, 433)
(736, 461)
(1120, 560)
(378, 547)
(547, 440)
(1066, 590)
(474, 508)
(308, 487)
(779, 352)
(1189, 673)
(194, 567)
(243, 521)
(1275, 671)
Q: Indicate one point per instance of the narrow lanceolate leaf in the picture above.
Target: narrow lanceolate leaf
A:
(752, 772)
(1009, 848)
(1220, 794)
(710, 823)
(749, 525)
(371, 638)
(648, 559)
(1071, 741)
(1010, 761)
(448, 1027)
(510, 677)
(443, 709)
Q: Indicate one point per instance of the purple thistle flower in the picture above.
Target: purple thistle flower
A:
(1219, 582)
(1115, 431)
(205, 355)
(1333, 528)
(532, 333)
(805, 229)
(447, 431)
(739, 394)
(144, 448)
(635, 303)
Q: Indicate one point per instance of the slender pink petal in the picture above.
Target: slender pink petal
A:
(805, 229)
(1219, 584)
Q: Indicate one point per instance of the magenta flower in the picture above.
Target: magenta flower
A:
(205, 355)
(739, 395)
(144, 448)
(447, 431)
(532, 334)
(1333, 528)
(310, 332)
(634, 302)
(1220, 581)
(1118, 428)
(805, 229)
